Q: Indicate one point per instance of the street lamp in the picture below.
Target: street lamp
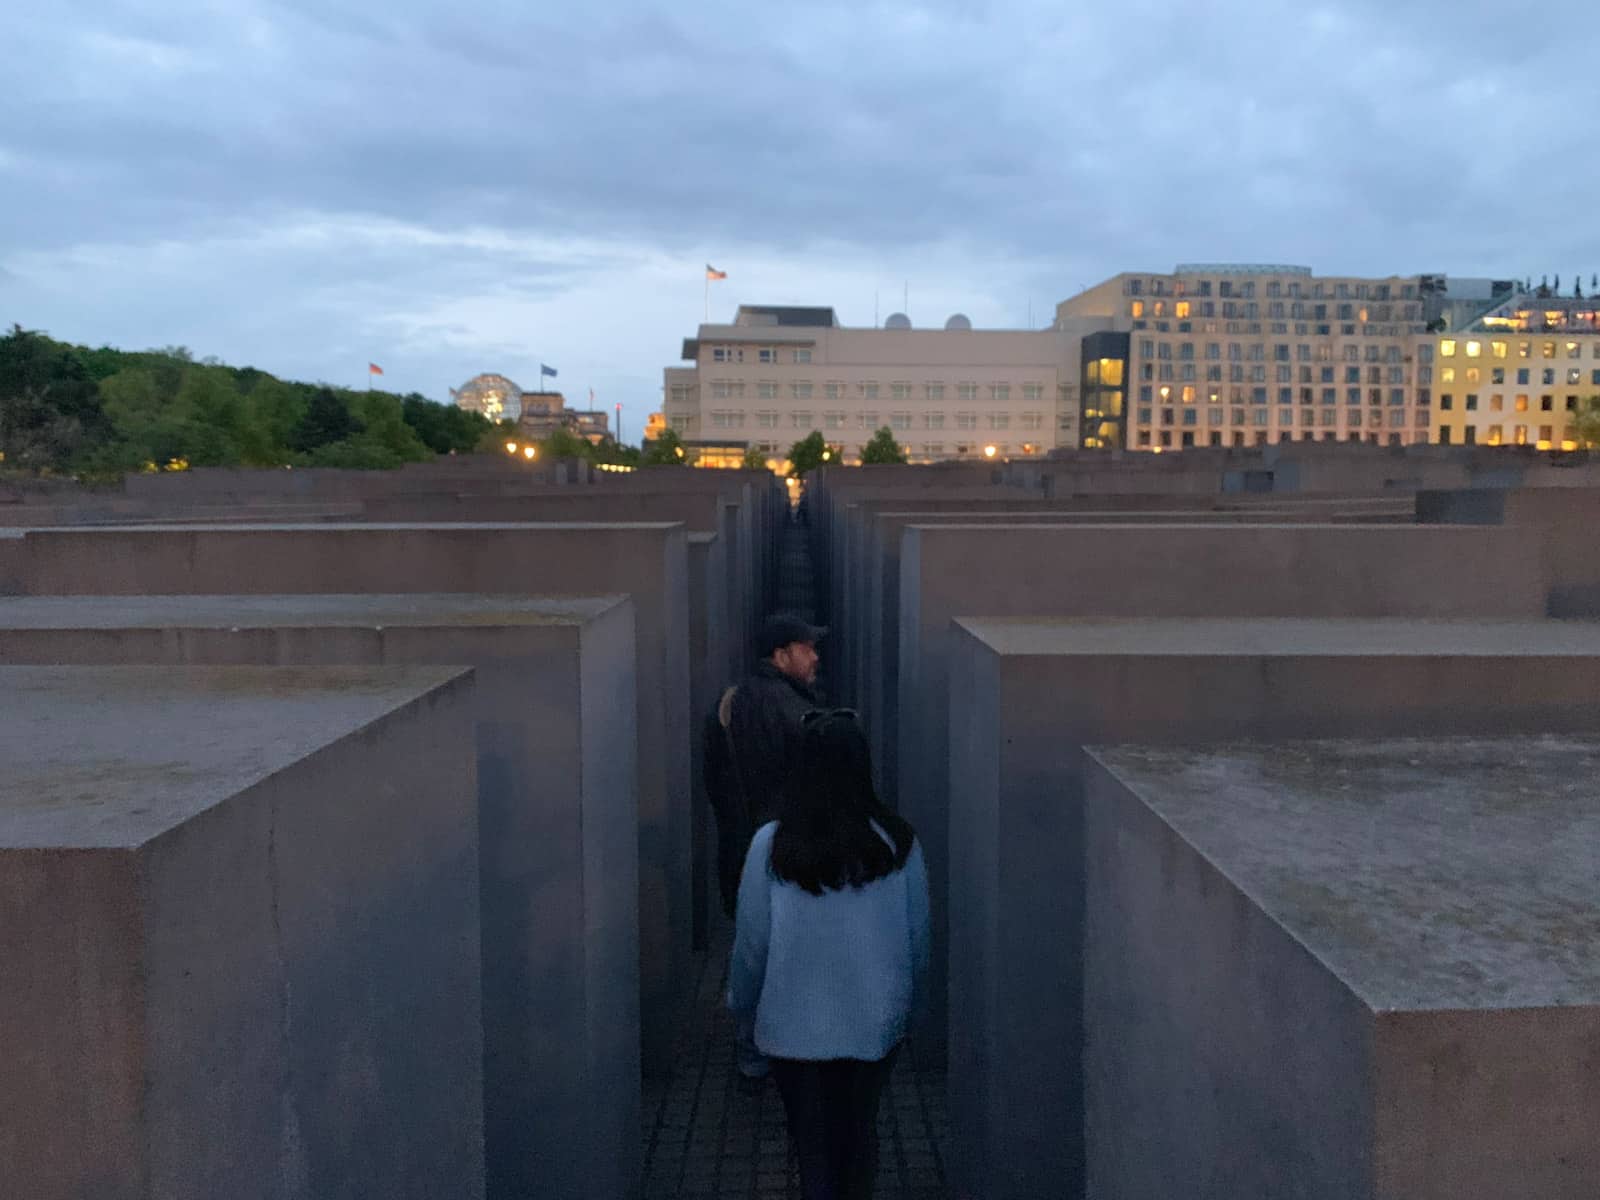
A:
(511, 447)
(989, 451)
(530, 452)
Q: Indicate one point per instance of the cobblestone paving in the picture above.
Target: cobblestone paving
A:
(705, 1136)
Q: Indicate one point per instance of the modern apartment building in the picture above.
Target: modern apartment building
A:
(1519, 375)
(1225, 355)
(777, 373)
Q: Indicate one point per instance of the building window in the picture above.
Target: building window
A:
(966, 392)
(867, 420)
(936, 391)
(726, 354)
(933, 420)
(681, 424)
(800, 420)
(1447, 348)
(767, 420)
(999, 420)
(833, 391)
(1033, 392)
(900, 420)
(966, 420)
(767, 354)
(900, 392)
(1549, 375)
(932, 449)
(802, 357)
(1000, 391)
(724, 419)
(766, 391)
(1032, 420)
(869, 391)
(833, 420)
(678, 393)
(800, 391)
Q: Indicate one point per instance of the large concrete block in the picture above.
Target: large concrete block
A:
(1559, 520)
(1163, 571)
(646, 561)
(238, 915)
(1027, 695)
(1344, 971)
(708, 672)
(558, 814)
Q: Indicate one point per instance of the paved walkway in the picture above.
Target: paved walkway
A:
(705, 1136)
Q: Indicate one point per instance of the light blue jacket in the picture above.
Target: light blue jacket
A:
(839, 975)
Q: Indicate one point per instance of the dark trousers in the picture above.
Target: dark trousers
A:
(833, 1119)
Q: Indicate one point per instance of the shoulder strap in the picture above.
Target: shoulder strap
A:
(725, 719)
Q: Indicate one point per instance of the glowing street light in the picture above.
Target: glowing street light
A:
(511, 447)
(530, 451)
(989, 451)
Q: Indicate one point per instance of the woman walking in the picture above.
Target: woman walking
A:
(830, 953)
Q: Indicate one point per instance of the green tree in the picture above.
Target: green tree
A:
(563, 443)
(666, 449)
(809, 453)
(327, 420)
(754, 459)
(883, 448)
(1589, 422)
(50, 411)
(445, 428)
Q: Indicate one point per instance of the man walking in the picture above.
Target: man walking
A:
(750, 742)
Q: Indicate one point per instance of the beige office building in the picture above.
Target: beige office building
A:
(1223, 355)
(1519, 375)
(777, 373)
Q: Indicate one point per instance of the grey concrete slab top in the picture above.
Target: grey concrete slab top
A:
(351, 527)
(1212, 637)
(110, 757)
(274, 612)
(1437, 874)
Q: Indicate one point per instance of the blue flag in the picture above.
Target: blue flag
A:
(544, 370)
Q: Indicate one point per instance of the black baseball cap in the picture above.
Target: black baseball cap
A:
(784, 629)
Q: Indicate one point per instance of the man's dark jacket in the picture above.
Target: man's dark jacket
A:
(746, 763)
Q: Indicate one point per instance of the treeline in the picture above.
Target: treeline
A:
(101, 413)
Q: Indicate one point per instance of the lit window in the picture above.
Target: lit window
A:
(1548, 350)
(1137, 308)
(1498, 348)
(1574, 350)
(1474, 349)
(1447, 348)
(1181, 310)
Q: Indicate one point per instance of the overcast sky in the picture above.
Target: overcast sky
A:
(309, 185)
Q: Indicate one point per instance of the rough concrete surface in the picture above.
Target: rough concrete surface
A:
(1338, 969)
(238, 912)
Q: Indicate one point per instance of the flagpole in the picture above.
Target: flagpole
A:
(708, 297)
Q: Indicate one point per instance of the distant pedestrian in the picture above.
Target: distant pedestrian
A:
(750, 743)
(831, 952)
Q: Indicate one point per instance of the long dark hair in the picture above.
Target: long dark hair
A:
(825, 840)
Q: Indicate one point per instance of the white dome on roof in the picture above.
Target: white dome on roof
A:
(897, 321)
(959, 321)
